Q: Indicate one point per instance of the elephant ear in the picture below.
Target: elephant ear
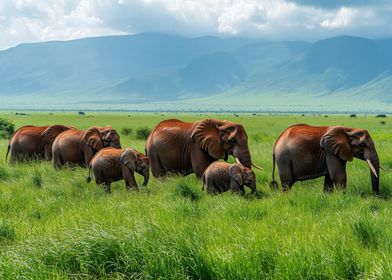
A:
(336, 141)
(235, 172)
(92, 137)
(50, 134)
(52, 131)
(206, 135)
(128, 158)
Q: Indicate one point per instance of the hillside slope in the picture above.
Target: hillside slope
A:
(117, 71)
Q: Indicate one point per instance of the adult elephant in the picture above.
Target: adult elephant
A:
(77, 147)
(33, 142)
(180, 147)
(305, 152)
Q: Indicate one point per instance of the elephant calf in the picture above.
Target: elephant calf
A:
(221, 176)
(111, 164)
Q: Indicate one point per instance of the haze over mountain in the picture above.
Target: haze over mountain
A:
(204, 72)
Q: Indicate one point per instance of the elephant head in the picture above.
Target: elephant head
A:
(347, 143)
(136, 162)
(222, 138)
(99, 137)
(240, 176)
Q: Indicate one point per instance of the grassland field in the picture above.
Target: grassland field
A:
(55, 225)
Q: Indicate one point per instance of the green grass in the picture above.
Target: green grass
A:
(54, 225)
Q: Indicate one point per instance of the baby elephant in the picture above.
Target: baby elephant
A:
(111, 164)
(222, 176)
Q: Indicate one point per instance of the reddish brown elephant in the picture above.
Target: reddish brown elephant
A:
(181, 147)
(305, 152)
(33, 142)
(222, 176)
(110, 165)
(77, 147)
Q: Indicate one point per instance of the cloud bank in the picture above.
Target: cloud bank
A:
(24, 21)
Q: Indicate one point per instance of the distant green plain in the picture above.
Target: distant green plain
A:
(54, 225)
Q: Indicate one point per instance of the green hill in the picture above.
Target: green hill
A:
(153, 70)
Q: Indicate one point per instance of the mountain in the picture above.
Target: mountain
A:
(143, 70)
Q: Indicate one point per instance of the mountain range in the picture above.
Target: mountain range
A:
(154, 70)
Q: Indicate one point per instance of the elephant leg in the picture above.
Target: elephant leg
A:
(241, 191)
(337, 171)
(58, 162)
(88, 154)
(156, 166)
(129, 179)
(47, 152)
(286, 175)
(328, 184)
(200, 162)
(107, 186)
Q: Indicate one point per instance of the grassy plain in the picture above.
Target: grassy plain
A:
(54, 225)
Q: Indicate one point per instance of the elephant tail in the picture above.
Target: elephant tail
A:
(203, 180)
(89, 173)
(273, 183)
(8, 151)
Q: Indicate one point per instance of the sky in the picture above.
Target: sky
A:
(23, 21)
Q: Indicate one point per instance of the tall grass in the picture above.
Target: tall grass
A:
(54, 225)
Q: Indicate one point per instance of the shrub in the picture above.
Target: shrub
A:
(381, 116)
(353, 116)
(126, 131)
(142, 133)
(7, 128)
(382, 122)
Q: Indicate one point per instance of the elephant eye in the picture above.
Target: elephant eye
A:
(232, 140)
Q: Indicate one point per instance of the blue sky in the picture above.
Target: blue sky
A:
(24, 21)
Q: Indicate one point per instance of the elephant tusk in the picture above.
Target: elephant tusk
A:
(257, 167)
(237, 160)
(372, 167)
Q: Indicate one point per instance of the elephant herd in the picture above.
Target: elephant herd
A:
(301, 152)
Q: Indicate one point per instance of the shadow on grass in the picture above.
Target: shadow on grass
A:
(186, 191)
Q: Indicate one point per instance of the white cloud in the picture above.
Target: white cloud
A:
(343, 18)
(40, 20)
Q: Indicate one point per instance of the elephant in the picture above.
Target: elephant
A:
(305, 152)
(222, 176)
(110, 165)
(183, 148)
(33, 142)
(77, 147)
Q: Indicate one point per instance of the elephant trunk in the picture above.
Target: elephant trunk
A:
(146, 175)
(253, 187)
(374, 165)
(244, 157)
